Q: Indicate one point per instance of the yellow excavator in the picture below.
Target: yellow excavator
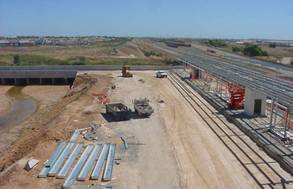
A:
(125, 71)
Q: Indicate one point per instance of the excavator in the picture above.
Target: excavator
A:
(125, 71)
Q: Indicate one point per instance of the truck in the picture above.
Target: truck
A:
(161, 74)
(118, 111)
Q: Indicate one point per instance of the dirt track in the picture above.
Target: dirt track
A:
(180, 151)
(173, 148)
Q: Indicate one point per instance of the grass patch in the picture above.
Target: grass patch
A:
(217, 43)
(6, 59)
(33, 60)
(152, 53)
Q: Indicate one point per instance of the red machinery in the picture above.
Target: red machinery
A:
(237, 94)
(194, 74)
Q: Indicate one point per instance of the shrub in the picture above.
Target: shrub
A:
(217, 43)
(152, 53)
(16, 59)
(254, 50)
(236, 49)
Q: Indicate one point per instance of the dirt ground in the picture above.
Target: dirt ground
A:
(173, 148)
(42, 96)
(4, 100)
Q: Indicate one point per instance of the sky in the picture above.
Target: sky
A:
(270, 19)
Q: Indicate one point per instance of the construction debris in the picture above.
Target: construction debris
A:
(102, 97)
(75, 136)
(31, 163)
(161, 101)
(124, 143)
(141, 80)
(142, 107)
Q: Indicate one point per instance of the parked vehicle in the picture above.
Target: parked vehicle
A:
(161, 74)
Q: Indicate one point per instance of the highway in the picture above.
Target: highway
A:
(231, 70)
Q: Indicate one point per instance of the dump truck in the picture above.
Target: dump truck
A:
(118, 111)
(125, 71)
(142, 107)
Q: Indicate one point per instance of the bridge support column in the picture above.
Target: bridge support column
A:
(255, 103)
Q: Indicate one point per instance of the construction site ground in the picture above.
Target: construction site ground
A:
(174, 148)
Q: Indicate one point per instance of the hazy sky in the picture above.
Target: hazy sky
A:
(155, 18)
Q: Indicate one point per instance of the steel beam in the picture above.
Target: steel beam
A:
(65, 169)
(61, 159)
(98, 167)
(89, 163)
(76, 169)
(110, 163)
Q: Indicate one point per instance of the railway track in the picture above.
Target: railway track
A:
(265, 172)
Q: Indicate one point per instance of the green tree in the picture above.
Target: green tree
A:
(16, 59)
(217, 43)
(254, 50)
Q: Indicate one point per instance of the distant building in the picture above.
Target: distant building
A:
(4, 43)
(26, 43)
(14, 43)
(239, 42)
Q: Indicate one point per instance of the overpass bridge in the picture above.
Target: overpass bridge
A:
(58, 74)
